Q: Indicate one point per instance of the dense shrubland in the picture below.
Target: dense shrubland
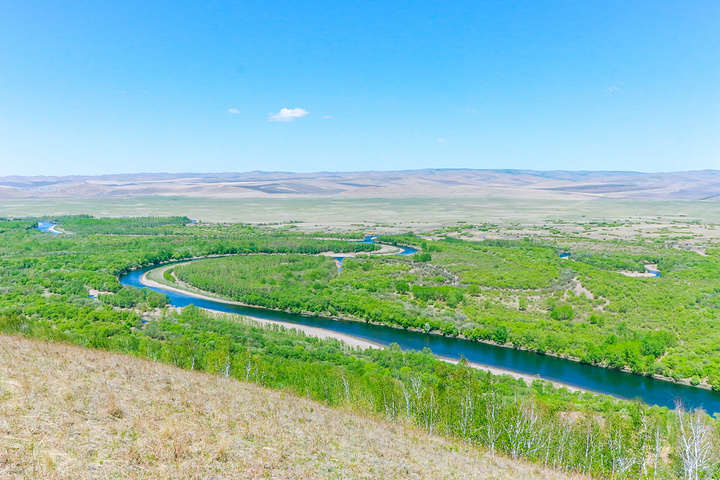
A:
(517, 292)
(85, 224)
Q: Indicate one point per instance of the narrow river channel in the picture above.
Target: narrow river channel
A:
(586, 377)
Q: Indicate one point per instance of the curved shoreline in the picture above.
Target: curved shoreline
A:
(312, 331)
(324, 333)
(495, 370)
(384, 250)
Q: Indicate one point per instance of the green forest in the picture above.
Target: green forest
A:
(511, 292)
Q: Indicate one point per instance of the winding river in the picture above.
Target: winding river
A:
(586, 377)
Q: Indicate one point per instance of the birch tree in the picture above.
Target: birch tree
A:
(696, 445)
(493, 429)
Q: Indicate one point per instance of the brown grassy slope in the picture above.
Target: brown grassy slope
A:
(68, 412)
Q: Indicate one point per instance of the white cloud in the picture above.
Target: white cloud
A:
(287, 115)
(441, 140)
(327, 117)
(234, 111)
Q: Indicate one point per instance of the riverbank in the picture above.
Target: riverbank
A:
(384, 250)
(188, 289)
(509, 359)
(312, 331)
(324, 333)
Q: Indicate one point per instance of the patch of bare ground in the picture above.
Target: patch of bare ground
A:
(637, 274)
(578, 289)
(68, 412)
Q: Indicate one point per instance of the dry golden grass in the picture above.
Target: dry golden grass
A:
(68, 412)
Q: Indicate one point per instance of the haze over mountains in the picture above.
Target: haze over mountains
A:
(694, 185)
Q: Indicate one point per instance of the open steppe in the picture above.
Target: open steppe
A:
(389, 202)
(695, 185)
(69, 412)
(381, 214)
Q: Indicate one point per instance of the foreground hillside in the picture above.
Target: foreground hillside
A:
(68, 412)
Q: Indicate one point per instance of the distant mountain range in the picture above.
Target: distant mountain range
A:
(701, 185)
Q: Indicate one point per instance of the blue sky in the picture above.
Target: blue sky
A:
(110, 87)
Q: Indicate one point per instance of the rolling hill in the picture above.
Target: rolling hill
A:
(694, 185)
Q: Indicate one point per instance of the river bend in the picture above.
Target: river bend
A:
(586, 377)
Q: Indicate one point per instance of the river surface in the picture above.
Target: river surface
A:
(46, 227)
(587, 377)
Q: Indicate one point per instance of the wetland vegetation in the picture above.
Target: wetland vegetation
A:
(512, 291)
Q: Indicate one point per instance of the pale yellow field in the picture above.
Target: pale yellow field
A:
(71, 413)
(383, 214)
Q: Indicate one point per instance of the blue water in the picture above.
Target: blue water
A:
(404, 251)
(46, 226)
(587, 377)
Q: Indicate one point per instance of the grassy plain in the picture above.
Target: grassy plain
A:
(377, 213)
